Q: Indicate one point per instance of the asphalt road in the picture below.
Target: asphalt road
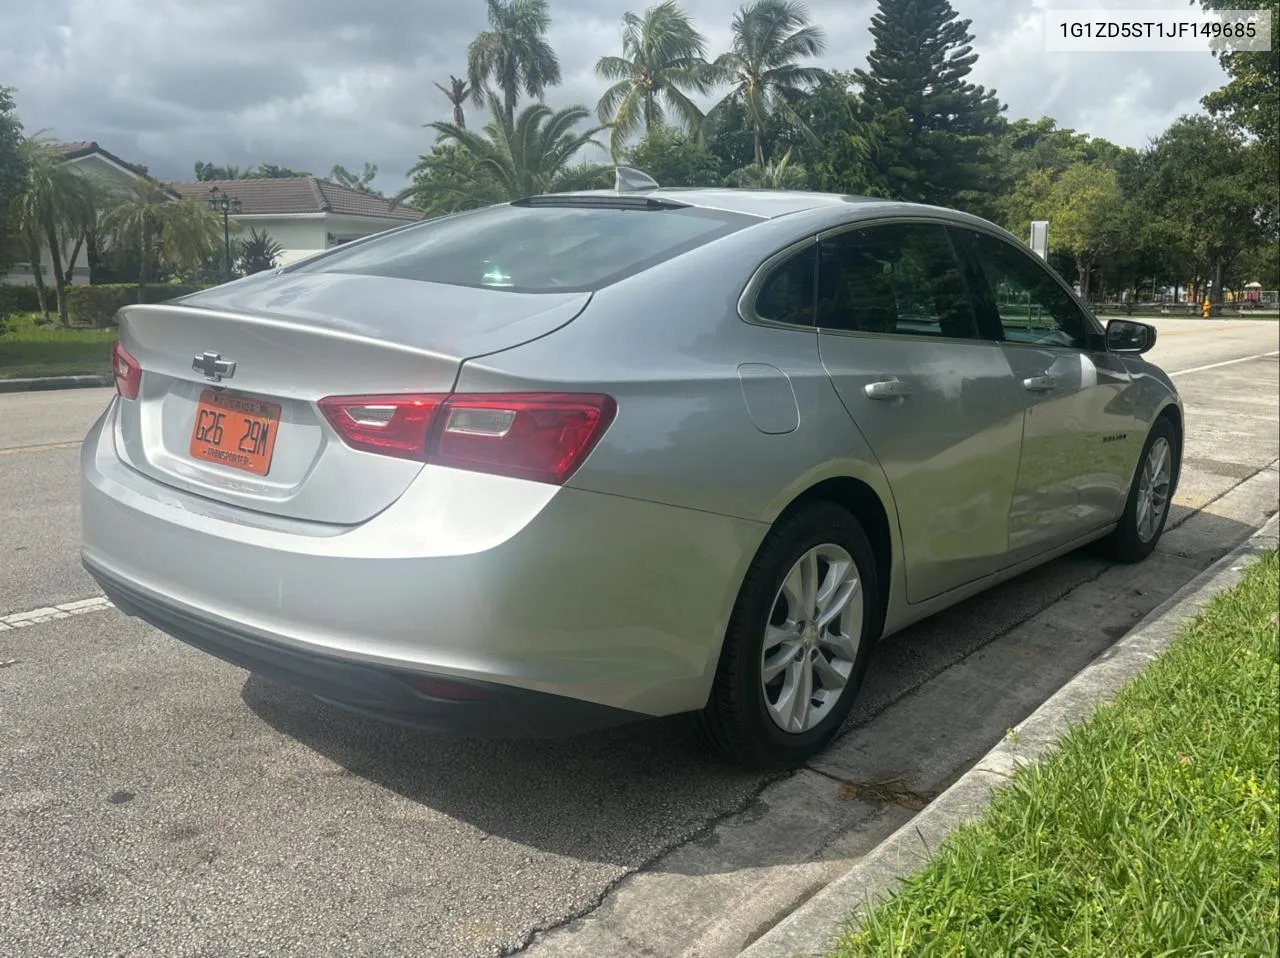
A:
(154, 801)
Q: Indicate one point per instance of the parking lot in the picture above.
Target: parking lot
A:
(155, 801)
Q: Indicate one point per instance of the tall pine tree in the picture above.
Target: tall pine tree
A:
(934, 129)
(13, 176)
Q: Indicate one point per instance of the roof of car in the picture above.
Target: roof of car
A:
(763, 203)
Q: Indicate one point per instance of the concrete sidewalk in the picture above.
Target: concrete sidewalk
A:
(53, 382)
(810, 930)
(1006, 653)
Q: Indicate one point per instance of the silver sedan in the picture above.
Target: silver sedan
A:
(588, 458)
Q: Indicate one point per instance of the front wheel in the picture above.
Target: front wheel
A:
(1147, 508)
(796, 648)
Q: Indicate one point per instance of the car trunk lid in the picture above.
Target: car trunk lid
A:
(267, 349)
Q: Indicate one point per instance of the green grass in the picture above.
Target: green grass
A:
(28, 350)
(1150, 832)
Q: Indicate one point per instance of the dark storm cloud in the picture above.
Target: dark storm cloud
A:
(219, 89)
(307, 85)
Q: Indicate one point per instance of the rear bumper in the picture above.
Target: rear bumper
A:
(421, 699)
(547, 595)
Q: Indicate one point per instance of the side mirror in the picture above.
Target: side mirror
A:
(1127, 336)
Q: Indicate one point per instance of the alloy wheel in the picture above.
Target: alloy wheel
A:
(811, 640)
(1153, 489)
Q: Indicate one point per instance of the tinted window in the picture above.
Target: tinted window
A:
(1032, 306)
(539, 249)
(786, 295)
(899, 278)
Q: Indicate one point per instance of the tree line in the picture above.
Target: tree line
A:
(1196, 207)
(362, 181)
(50, 213)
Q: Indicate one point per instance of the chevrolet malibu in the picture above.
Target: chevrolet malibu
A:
(587, 458)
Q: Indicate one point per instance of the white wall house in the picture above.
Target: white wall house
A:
(304, 214)
(91, 160)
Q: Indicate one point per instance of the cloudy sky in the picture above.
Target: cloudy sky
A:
(310, 83)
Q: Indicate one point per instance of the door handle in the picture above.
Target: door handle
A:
(887, 389)
(1040, 384)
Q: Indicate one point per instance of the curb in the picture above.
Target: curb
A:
(810, 931)
(53, 382)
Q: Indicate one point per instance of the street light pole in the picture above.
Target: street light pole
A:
(223, 202)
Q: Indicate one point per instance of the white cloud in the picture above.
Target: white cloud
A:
(169, 82)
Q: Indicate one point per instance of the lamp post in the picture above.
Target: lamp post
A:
(223, 202)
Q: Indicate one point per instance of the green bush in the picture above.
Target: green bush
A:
(18, 299)
(96, 306)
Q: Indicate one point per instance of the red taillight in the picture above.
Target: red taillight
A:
(390, 425)
(539, 436)
(128, 371)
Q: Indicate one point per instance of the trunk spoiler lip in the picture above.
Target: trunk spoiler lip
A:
(272, 322)
(484, 343)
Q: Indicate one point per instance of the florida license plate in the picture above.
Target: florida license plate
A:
(235, 431)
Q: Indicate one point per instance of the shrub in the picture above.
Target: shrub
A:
(19, 299)
(259, 253)
(97, 305)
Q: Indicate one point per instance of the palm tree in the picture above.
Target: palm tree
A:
(662, 56)
(259, 252)
(447, 180)
(181, 232)
(58, 207)
(356, 181)
(769, 36)
(211, 171)
(513, 53)
(776, 174)
(512, 159)
(457, 91)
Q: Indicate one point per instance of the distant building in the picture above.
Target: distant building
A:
(304, 214)
(93, 160)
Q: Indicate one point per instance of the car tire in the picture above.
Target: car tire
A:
(744, 715)
(1136, 535)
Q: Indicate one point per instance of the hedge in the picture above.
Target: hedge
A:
(97, 305)
(18, 299)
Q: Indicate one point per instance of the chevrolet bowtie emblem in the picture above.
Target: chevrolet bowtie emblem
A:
(214, 367)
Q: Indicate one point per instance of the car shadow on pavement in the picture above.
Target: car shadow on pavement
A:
(624, 795)
(605, 796)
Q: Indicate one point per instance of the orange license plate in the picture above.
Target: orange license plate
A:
(235, 431)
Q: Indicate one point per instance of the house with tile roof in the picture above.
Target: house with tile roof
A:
(90, 159)
(304, 214)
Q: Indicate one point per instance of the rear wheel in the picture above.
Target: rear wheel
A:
(1147, 508)
(796, 648)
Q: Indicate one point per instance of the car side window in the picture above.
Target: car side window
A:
(900, 278)
(786, 295)
(1032, 306)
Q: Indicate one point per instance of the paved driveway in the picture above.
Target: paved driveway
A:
(154, 801)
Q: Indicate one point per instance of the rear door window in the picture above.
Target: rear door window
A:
(898, 279)
(538, 248)
(786, 295)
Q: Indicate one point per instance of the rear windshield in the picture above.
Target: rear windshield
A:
(534, 249)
